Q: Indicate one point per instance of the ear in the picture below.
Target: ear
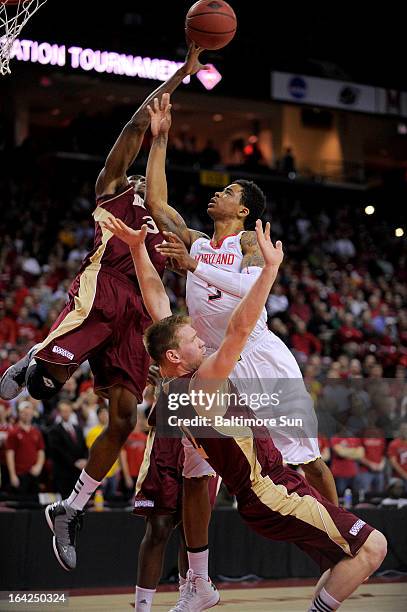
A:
(172, 356)
(244, 212)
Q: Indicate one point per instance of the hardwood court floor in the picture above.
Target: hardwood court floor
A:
(384, 597)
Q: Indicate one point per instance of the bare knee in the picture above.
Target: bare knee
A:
(122, 410)
(374, 550)
(119, 428)
(158, 530)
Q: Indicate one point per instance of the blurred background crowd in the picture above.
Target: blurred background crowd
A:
(340, 304)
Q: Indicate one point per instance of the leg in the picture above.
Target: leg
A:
(341, 484)
(152, 549)
(363, 481)
(196, 512)
(320, 477)
(64, 518)
(321, 582)
(182, 554)
(106, 448)
(150, 559)
(349, 573)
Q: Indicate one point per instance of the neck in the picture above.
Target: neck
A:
(25, 426)
(226, 227)
(173, 371)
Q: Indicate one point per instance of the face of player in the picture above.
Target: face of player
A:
(139, 183)
(191, 349)
(227, 204)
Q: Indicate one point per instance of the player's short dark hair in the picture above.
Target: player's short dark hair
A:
(254, 199)
(162, 336)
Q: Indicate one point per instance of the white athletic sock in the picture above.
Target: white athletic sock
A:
(144, 599)
(198, 563)
(324, 602)
(83, 489)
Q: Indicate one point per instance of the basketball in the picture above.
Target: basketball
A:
(211, 24)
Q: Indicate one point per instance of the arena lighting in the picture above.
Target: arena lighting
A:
(399, 232)
(110, 62)
(369, 210)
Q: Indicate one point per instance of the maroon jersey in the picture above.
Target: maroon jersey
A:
(231, 456)
(113, 253)
(273, 500)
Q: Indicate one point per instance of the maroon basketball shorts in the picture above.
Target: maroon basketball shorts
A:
(159, 484)
(287, 508)
(103, 323)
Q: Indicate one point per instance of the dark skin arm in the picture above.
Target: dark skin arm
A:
(320, 477)
(251, 251)
(165, 216)
(126, 148)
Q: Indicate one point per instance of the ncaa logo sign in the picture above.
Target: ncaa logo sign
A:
(297, 87)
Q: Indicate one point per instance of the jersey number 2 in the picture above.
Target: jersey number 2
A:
(214, 296)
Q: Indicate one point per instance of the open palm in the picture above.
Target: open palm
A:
(160, 115)
(133, 238)
(273, 255)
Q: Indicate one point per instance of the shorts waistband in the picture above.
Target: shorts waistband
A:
(252, 344)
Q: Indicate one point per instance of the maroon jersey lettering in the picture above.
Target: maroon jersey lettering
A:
(128, 207)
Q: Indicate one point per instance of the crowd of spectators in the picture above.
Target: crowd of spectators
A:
(340, 304)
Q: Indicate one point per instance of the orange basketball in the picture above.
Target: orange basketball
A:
(211, 24)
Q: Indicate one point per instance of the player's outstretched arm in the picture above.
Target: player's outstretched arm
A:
(165, 216)
(156, 199)
(127, 146)
(246, 314)
(152, 289)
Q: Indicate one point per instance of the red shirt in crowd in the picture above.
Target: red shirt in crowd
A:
(306, 343)
(349, 334)
(19, 297)
(323, 443)
(4, 431)
(398, 449)
(303, 311)
(134, 447)
(25, 445)
(341, 467)
(7, 331)
(374, 443)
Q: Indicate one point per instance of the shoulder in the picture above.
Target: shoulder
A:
(123, 192)
(248, 241)
(196, 235)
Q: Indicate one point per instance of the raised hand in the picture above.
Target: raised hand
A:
(175, 249)
(134, 238)
(192, 64)
(160, 115)
(273, 255)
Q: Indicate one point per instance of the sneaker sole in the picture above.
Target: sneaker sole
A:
(213, 605)
(54, 541)
(9, 397)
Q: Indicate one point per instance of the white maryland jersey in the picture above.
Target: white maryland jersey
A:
(209, 307)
